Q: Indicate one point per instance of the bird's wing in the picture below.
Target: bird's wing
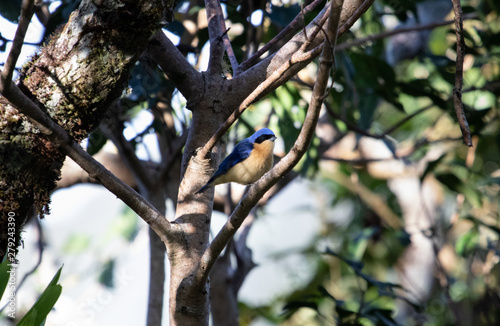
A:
(240, 153)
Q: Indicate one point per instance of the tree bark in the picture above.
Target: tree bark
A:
(83, 70)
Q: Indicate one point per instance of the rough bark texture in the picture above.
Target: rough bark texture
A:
(78, 74)
(189, 301)
(29, 170)
(83, 70)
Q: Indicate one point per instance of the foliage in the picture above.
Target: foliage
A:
(352, 281)
(37, 314)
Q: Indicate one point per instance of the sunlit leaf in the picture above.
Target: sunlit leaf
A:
(37, 314)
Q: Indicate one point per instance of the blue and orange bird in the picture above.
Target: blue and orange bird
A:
(249, 160)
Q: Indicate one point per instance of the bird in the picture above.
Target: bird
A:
(249, 160)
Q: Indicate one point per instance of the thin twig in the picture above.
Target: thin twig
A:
(294, 25)
(258, 189)
(127, 153)
(405, 119)
(297, 57)
(459, 74)
(225, 39)
(375, 37)
(27, 11)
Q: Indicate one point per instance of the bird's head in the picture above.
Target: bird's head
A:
(262, 135)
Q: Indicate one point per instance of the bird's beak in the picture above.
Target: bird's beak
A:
(273, 138)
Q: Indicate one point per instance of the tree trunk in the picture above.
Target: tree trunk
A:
(82, 70)
(189, 302)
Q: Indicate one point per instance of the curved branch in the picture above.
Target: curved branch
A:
(402, 30)
(174, 64)
(256, 93)
(294, 26)
(298, 57)
(58, 136)
(27, 11)
(352, 10)
(258, 189)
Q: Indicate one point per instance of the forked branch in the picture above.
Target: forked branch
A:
(258, 189)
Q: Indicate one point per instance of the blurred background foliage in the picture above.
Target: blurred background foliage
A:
(395, 90)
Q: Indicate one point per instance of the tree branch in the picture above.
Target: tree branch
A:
(143, 177)
(174, 64)
(215, 36)
(27, 11)
(297, 57)
(256, 93)
(58, 136)
(459, 74)
(258, 189)
(294, 26)
(254, 76)
(225, 39)
(397, 31)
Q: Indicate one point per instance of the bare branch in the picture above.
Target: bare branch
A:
(27, 11)
(225, 39)
(459, 74)
(176, 152)
(296, 58)
(258, 189)
(256, 93)
(215, 36)
(174, 64)
(397, 31)
(294, 26)
(351, 12)
(127, 152)
(58, 136)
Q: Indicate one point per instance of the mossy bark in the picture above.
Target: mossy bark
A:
(78, 74)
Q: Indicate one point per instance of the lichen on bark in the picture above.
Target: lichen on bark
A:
(78, 74)
(30, 167)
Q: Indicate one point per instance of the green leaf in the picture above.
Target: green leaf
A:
(423, 88)
(96, 142)
(453, 183)
(38, 313)
(106, 276)
(359, 244)
(4, 275)
(467, 242)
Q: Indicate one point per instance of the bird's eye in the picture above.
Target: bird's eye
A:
(263, 138)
